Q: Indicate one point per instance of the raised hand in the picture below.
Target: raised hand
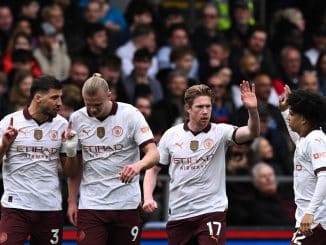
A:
(283, 100)
(248, 95)
(10, 134)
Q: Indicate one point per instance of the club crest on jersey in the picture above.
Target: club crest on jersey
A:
(194, 144)
(117, 131)
(53, 134)
(208, 143)
(100, 131)
(38, 134)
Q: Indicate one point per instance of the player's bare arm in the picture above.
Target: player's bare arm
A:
(8, 138)
(73, 188)
(149, 184)
(151, 157)
(283, 100)
(249, 100)
(316, 201)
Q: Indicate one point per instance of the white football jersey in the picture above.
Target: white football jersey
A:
(196, 168)
(30, 166)
(309, 159)
(107, 146)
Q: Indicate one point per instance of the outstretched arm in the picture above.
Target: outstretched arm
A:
(148, 187)
(249, 100)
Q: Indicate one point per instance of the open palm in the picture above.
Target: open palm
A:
(248, 95)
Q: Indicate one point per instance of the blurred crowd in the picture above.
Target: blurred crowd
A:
(150, 53)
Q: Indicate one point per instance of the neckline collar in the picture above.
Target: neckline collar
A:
(28, 116)
(205, 130)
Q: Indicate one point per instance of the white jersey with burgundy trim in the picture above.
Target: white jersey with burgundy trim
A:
(107, 146)
(196, 168)
(309, 160)
(30, 166)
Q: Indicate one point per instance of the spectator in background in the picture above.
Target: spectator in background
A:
(53, 14)
(71, 100)
(207, 31)
(78, 72)
(52, 57)
(110, 68)
(6, 25)
(143, 36)
(182, 58)
(20, 92)
(141, 63)
(238, 163)
(282, 147)
(112, 17)
(321, 72)
(97, 45)
(309, 81)
(292, 64)
(249, 67)
(270, 207)
(216, 55)
(29, 11)
(171, 17)
(22, 60)
(139, 13)
(263, 151)
(222, 107)
(93, 12)
(170, 110)
(287, 30)
(318, 45)
(256, 44)
(19, 41)
(178, 36)
(241, 16)
(239, 160)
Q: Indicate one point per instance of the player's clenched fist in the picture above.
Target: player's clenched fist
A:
(149, 206)
(10, 134)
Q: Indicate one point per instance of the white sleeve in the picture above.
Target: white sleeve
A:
(319, 193)
(294, 136)
(163, 150)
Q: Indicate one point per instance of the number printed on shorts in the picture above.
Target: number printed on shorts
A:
(134, 232)
(212, 225)
(297, 238)
(55, 236)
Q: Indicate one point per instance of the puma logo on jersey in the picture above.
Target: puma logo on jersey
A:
(318, 140)
(86, 131)
(23, 131)
(179, 144)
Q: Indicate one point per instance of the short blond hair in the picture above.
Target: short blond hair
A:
(197, 90)
(94, 84)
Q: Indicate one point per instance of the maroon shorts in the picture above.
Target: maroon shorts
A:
(317, 238)
(206, 229)
(109, 227)
(43, 227)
